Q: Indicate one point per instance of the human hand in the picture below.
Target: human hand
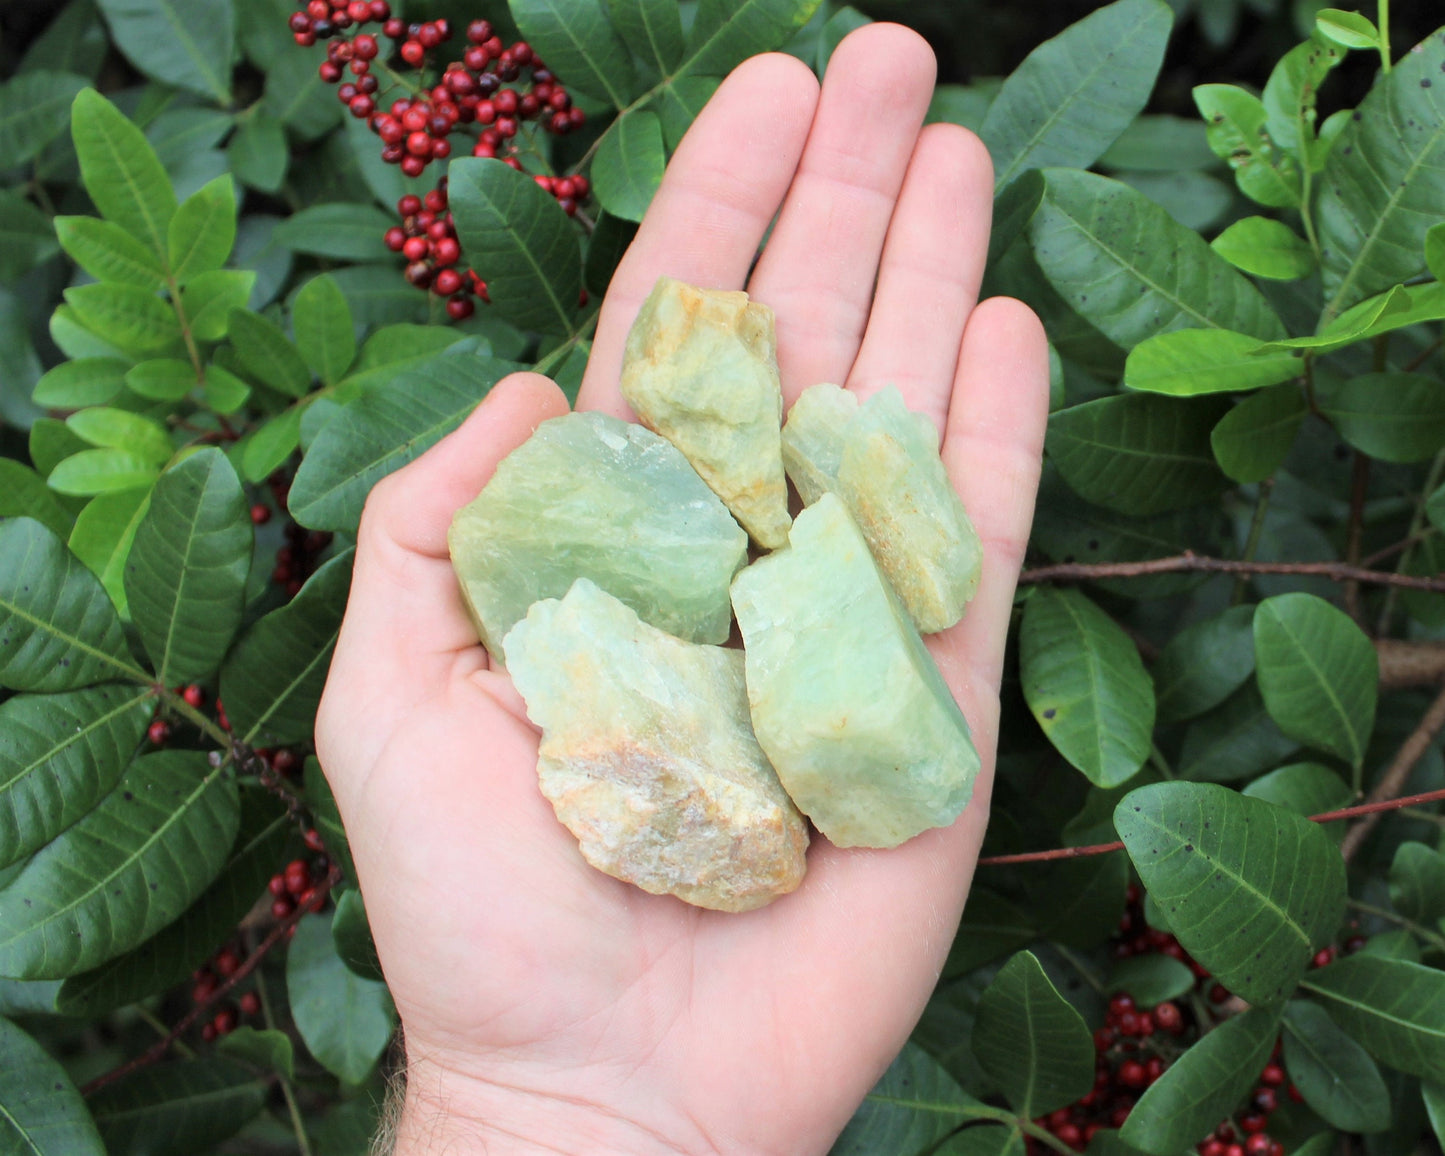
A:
(549, 1007)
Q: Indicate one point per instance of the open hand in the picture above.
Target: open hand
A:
(549, 1007)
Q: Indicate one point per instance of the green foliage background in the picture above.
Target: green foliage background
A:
(1231, 216)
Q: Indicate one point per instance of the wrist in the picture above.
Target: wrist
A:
(449, 1113)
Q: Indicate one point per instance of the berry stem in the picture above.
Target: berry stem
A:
(149, 1017)
(209, 727)
(1082, 968)
(1431, 937)
(288, 1093)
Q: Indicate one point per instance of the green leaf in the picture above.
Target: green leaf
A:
(179, 1108)
(1253, 439)
(1073, 95)
(353, 936)
(299, 98)
(271, 443)
(24, 494)
(1349, 29)
(1195, 200)
(328, 818)
(266, 835)
(258, 154)
(51, 441)
(116, 429)
(203, 230)
(345, 1020)
(103, 535)
(186, 43)
(1204, 664)
(325, 332)
(1082, 900)
(161, 379)
(34, 110)
(385, 430)
(1123, 263)
(1396, 417)
(344, 231)
(652, 28)
(58, 630)
(520, 241)
(1185, 362)
(984, 1140)
(123, 872)
(1435, 250)
(991, 927)
(1417, 882)
(125, 315)
(1306, 789)
(397, 345)
(268, 354)
(225, 392)
(1384, 181)
(1203, 1085)
(88, 381)
(1031, 1040)
(1169, 144)
(1290, 94)
(1377, 315)
(1393, 1007)
(26, 236)
(1152, 979)
(121, 171)
(914, 1105)
(63, 752)
(1334, 1074)
(579, 43)
(93, 472)
(1266, 248)
(1318, 674)
(1137, 453)
(273, 677)
(680, 103)
(1235, 127)
(1234, 740)
(41, 1113)
(609, 241)
(186, 578)
(1086, 686)
(1434, 1096)
(628, 167)
(726, 32)
(1250, 890)
(211, 298)
(269, 1049)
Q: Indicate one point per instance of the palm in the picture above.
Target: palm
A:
(496, 938)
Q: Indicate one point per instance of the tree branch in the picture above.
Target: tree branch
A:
(1325, 817)
(1393, 780)
(1189, 562)
(157, 1050)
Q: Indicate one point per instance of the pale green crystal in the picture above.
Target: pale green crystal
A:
(591, 496)
(882, 460)
(846, 700)
(648, 754)
(701, 369)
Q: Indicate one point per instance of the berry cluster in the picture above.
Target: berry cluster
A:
(295, 561)
(159, 731)
(297, 885)
(208, 978)
(1249, 1138)
(477, 93)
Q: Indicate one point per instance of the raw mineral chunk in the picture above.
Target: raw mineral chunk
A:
(701, 369)
(590, 496)
(882, 460)
(846, 701)
(648, 755)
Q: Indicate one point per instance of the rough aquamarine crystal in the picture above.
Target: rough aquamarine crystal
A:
(882, 460)
(701, 369)
(591, 496)
(648, 754)
(846, 701)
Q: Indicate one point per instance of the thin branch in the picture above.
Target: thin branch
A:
(1424, 356)
(158, 1050)
(1107, 848)
(1189, 562)
(1397, 547)
(1411, 751)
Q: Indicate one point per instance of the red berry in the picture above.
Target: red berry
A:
(1265, 1100)
(446, 251)
(460, 307)
(359, 11)
(204, 989)
(226, 962)
(413, 53)
(395, 239)
(436, 200)
(409, 205)
(225, 1021)
(1211, 1147)
(430, 35)
(1167, 1016)
(277, 886)
(1132, 1074)
(448, 281)
(1234, 1150)
(1069, 1133)
(208, 1032)
(380, 10)
(364, 47)
(560, 101)
(1295, 1094)
(479, 31)
(559, 123)
(284, 761)
(1258, 1144)
(361, 106)
(583, 187)
(1252, 1122)
(441, 148)
(250, 1004)
(1146, 1024)
(1324, 957)
(507, 126)
(394, 28)
(299, 22)
(1218, 993)
(282, 908)
(159, 732)
(1154, 1068)
(506, 101)
(1120, 1115)
(1272, 1076)
(313, 840)
(304, 39)
(418, 144)
(318, 9)
(416, 248)
(329, 71)
(412, 166)
(576, 117)
(1128, 1023)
